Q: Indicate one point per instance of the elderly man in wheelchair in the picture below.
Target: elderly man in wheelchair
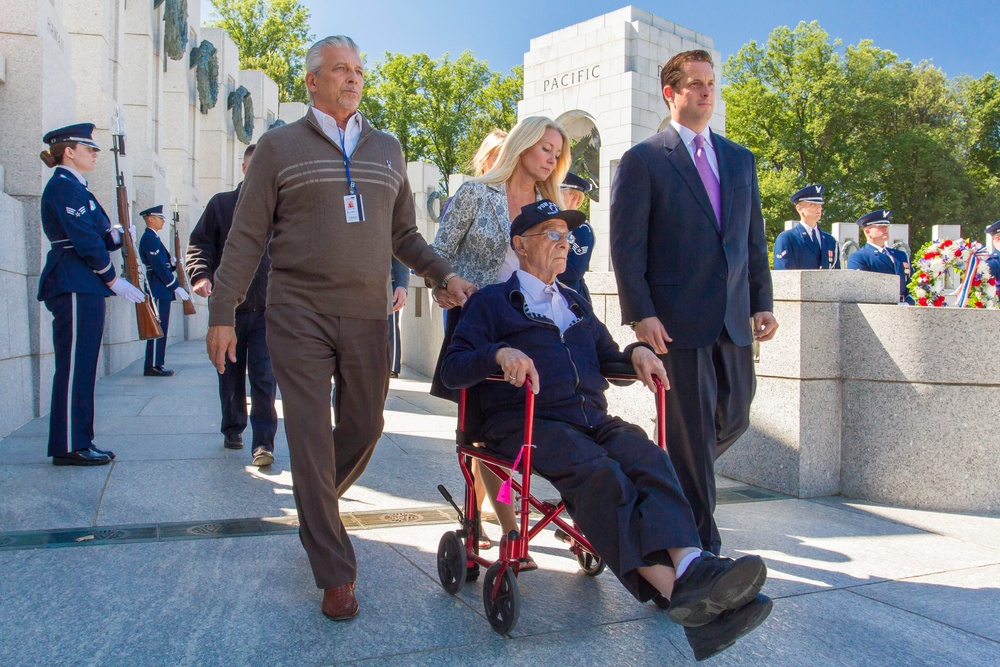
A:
(619, 488)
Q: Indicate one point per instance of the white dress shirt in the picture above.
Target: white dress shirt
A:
(687, 136)
(545, 300)
(813, 232)
(78, 175)
(346, 138)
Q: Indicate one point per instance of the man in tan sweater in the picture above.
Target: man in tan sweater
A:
(334, 196)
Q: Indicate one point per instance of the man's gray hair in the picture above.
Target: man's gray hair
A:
(314, 57)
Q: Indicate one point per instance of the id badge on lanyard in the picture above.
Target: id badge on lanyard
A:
(354, 207)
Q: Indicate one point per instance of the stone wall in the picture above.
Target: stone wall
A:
(68, 61)
(860, 396)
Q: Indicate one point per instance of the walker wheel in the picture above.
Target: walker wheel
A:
(589, 563)
(452, 564)
(503, 608)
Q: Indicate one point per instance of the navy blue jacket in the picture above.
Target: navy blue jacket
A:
(578, 260)
(399, 275)
(568, 363)
(869, 259)
(993, 261)
(159, 273)
(795, 249)
(80, 233)
(671, 259)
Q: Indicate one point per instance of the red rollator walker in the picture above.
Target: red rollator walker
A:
(458, 558)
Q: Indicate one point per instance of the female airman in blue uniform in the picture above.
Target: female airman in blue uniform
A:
(77, 277)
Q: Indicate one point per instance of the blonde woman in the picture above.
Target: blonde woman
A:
(474, 234)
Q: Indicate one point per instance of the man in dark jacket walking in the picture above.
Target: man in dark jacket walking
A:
(204, 255)
(619, 488)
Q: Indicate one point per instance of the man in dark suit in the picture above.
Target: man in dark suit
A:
(204, 255)
(993, 261)
(690, 258)
(879, 257)
(806, 246)
(163, 286)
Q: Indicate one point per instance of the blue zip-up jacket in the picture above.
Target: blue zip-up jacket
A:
(568, 363)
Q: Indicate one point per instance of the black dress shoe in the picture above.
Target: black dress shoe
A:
(234, 441)
(720, 634)
(107, 452)
(393, 374)
(712, 585)
(157, 372)
(82, 457)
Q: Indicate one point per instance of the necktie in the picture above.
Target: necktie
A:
(561, 314)
(708, 178)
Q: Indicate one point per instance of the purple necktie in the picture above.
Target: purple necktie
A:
(708, 178)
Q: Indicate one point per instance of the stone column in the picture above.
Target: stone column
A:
(942, 232)
(422, 322)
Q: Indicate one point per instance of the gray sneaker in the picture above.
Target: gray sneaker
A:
(262, 456)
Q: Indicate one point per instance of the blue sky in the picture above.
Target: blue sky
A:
(960, 37)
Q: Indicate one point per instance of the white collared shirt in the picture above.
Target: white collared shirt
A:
(78, 175)
(687, 136)
(346, 138)
(813, 232)
(545, 300)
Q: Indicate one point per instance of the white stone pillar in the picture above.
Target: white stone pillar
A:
(942, 232)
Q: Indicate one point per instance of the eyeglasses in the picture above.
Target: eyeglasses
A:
(554, 236)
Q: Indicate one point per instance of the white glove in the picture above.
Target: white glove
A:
(182, 294)
(124, 288)
(116, 233)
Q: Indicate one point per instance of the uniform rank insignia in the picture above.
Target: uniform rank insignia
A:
(76, 212)
(580, 249)
(783, 253)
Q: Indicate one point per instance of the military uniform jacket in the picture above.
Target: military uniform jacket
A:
(578, 260)
(993, 261)
(795, 249)
(159, 273)
(869, 259)
(80, 234)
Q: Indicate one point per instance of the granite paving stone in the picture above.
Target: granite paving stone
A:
(44, 496)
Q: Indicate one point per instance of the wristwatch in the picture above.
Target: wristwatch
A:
(447, 279)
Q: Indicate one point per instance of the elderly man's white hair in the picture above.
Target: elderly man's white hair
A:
(314, 57)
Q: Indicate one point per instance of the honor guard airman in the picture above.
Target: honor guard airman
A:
(574, 189)
(806, 246)
(163, 286)
(877, 256)
(78, 275)
(993, 261)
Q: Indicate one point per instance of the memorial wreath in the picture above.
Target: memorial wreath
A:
(959, 259)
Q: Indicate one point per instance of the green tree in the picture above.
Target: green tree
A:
(440, 109)
(876, 131)
(272, 36)
(981, 103)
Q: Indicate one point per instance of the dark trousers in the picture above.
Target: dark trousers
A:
(619, 487)
(395, 344)
(156, 348)
(708, 409)
(77, 329)
(253, 358)
(307, 351)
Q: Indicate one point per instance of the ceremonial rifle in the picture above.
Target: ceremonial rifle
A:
(182, 278)
(145, 313)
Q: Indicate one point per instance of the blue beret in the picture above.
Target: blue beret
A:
(539, 212)
(880, 217)
(81, 133)
(153, 210)
(994, 228)
(813, 193)
(574, 182)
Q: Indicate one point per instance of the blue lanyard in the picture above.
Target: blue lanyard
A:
(347, 166)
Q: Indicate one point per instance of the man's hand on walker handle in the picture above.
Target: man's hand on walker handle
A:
(517, 366)
(647, 365)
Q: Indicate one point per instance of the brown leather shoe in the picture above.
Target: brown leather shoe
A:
(339, 604)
